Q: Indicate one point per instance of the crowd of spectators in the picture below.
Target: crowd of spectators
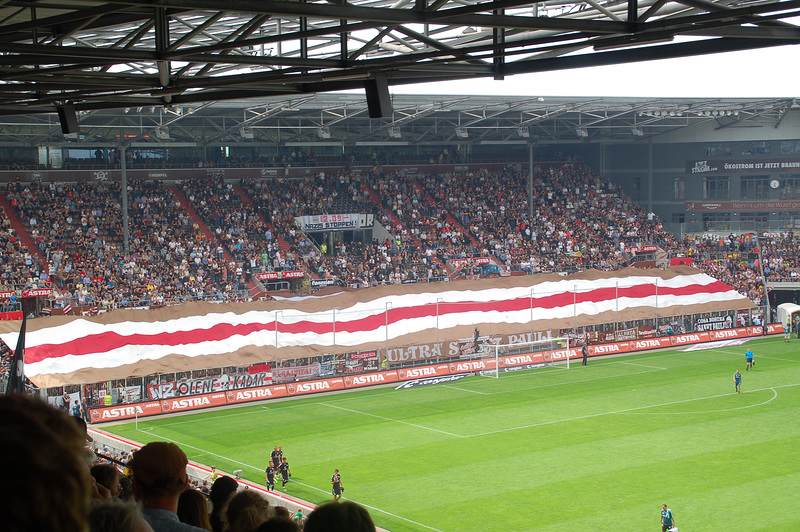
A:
(579, 221)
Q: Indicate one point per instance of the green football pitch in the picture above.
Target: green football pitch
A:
(599, 447)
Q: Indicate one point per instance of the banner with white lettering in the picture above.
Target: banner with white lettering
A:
(329, 222)
(738, 166)
(208, 385)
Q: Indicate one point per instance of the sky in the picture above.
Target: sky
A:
(764, 73)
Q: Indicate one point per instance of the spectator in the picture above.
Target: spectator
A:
(221, 492)
(338, 516)
(117, 516)
(278, 524)
(107, 475)
(193, 509)
(247, 510)
(159, 478)
(39, 446)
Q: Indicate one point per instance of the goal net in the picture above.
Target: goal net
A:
(552, 352)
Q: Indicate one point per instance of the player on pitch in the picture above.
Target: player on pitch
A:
(737, 381)
(748, 355)
(336, 483)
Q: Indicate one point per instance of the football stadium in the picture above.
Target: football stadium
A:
(249, 285)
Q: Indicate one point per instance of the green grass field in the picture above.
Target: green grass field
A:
(593, 448)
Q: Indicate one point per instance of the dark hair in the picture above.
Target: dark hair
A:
(221, 492)
(193, 509)
(106, 475)
(336, 516)
(40, 444)
(278, 524)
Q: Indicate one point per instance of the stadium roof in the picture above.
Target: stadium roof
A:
(336, 118)
(130, 54)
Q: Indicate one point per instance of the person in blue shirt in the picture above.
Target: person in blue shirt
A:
(667, 519)
(748, 355)
(737, 381)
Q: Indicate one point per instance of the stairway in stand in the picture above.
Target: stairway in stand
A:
(397, 222)
(25, 238)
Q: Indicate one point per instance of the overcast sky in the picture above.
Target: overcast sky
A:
(765, 73)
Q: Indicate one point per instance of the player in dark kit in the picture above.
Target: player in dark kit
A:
(276, 456)
(284, 470)
(585, 353)
(336, 482)
(270, 471)
(737, 381)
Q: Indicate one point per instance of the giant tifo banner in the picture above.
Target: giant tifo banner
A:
(62, 350)
(419, 375)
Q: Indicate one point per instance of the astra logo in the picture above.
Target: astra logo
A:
(369, 379)
(472, 365)
(613, 348)
(313, 386)
(522, 359)
(113, 413)
(415, 373)
(688, 338)
(191, 402)
(245, 395)
(644, 344)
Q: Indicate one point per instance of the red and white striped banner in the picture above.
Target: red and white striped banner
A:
(161, 339)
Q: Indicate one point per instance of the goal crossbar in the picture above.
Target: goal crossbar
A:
(531, 355)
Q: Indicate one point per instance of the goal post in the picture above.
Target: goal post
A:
(551, 352)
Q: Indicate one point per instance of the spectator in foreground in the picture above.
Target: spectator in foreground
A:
(107, 475)
(40, 444)
(278, 524)
(114, 515)
(337, 516)
(221, 492)
(247, 510)
(193, 509)
(159, 478)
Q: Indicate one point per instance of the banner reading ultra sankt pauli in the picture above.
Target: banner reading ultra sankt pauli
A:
(334, 222)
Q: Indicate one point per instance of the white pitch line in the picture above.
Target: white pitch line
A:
(203, 452)
(391, 419)
(463, 389)
(774, 396)
(397, 516)
(571, 382)
(624, 411)
(640, 365)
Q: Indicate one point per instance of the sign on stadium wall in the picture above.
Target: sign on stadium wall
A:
(181, 404)
(211, 384)
(710, 206)
(256, 394)
(461, 367)
(324, 385)
(370, 379)
(272, 276)
(331, 222)
(32, 292)
(740, 166)
(115, 413)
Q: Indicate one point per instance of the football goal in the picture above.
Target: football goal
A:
(551, 352)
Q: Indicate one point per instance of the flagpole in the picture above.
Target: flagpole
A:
(16, 374)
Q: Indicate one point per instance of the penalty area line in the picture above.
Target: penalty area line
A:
(623, 411)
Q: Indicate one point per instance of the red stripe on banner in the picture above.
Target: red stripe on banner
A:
(107, 341)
